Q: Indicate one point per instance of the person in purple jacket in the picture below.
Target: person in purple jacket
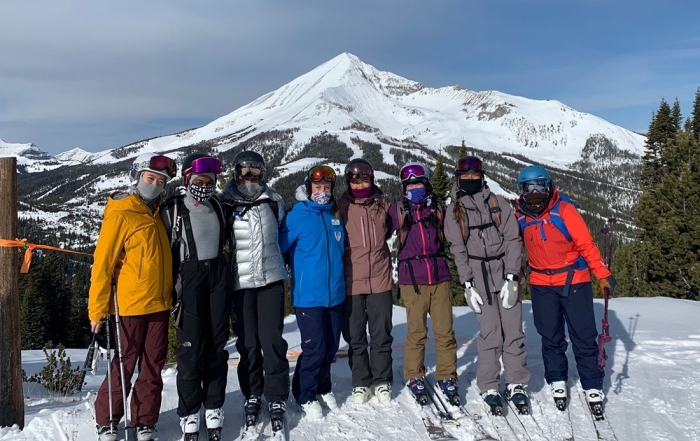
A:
(424, 281)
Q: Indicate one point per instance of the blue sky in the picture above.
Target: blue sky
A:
(99, 75)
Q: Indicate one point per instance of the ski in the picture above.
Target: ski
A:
(435, 429)
(557, 421)
(603, 429)
(89, 362)
(214, 434)
(525, 420)
(252, 429)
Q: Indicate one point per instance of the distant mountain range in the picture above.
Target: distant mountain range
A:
(346, 108)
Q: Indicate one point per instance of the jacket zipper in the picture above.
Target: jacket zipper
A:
(362, 221)
(374, 231)
(370, 251)
(425, 246)
(486, 254)
(328, 256)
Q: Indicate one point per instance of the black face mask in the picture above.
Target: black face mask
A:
(471, 186)
(536, 202)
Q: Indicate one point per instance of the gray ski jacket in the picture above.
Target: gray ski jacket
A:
(256, 259)
(492, 251)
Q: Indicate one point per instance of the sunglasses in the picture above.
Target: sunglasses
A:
(321, 173)
(162, 163)
(358, 170)
(540, 186)
(205, 165)
(250, 172)
(413, 171)
(469, 163)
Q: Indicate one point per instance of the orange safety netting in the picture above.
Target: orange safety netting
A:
(29, 247)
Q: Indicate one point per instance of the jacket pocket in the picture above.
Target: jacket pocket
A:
(364, 240)
(374, 231)
(141, 264)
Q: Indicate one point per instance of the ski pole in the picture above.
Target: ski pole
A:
(121, 365)
(604, 336)
(109, 373)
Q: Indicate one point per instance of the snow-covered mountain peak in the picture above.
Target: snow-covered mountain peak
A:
(75, 156)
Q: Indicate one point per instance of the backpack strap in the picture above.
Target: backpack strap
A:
(403, 213)
(495, 210)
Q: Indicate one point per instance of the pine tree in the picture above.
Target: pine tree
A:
(440, 181)
(78, 330)
(695, 121)
(676, 117)
(463, 150)
(661, 130)
(33, 315)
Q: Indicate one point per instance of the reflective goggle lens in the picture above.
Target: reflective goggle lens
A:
(358, 170)
(413, 171)
(540, 186)
(470, 163)
(163, 163)
(206, 165)
(247, 172)
(321, 173)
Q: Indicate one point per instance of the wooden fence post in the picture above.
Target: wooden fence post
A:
(11, 400)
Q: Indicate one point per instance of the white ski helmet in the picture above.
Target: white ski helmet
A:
(154, 162)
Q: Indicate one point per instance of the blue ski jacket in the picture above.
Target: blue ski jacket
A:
(315, 240)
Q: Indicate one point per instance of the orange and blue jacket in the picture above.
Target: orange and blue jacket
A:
(548, 248)
(134, 247)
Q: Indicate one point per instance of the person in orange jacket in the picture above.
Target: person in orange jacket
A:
(133, 265)
(561, 256)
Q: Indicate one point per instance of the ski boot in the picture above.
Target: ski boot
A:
(252, 410)
(594, 397)
(106, 433)
(360, 394)
(190, 427)
(277, 410)
(515, 393)
(383, 392)
(215, 421)
(417, 388)
(558, 389)
(451, 391)
(145, 433)
(493, 399)
(329, 400)
(313, 410)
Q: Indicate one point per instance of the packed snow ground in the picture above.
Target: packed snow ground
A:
(652, 384)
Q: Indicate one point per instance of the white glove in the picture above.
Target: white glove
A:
(474, 300)
(509, 291)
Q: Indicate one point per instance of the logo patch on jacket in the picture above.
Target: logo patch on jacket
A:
(335, 222)
(338, 235)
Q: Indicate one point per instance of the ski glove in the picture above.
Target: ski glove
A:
(474, 300)
(509, 291)
(609, 283)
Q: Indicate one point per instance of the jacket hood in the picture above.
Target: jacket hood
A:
(129, 201)
(231, 192)
(300, 193)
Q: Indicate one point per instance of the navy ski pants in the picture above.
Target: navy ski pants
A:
(551, 310)
(320, 337)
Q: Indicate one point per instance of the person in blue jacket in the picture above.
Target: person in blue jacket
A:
(314, 236)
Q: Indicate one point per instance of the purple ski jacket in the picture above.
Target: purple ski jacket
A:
(422, 240)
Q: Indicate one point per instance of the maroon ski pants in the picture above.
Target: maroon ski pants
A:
(144, 341)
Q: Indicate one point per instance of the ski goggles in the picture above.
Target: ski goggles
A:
(250, 169)
(160, 163)
(206, 165)
(469, 163)
(321, 173)
(358, 170)
(413, 171)
(539, 185)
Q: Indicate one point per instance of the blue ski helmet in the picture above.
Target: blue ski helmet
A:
(533, 173)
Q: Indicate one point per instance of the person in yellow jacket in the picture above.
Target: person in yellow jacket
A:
(133, 263)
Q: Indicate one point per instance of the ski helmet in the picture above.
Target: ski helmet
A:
(199, 163)
(536, 175)
(414, 172)
(359, 168)
(319, 173)
(252, 162)
(160, 164)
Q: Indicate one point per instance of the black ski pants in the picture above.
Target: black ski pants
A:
(371, 364)
(551, 311)
(201, 358)
(259, 322)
